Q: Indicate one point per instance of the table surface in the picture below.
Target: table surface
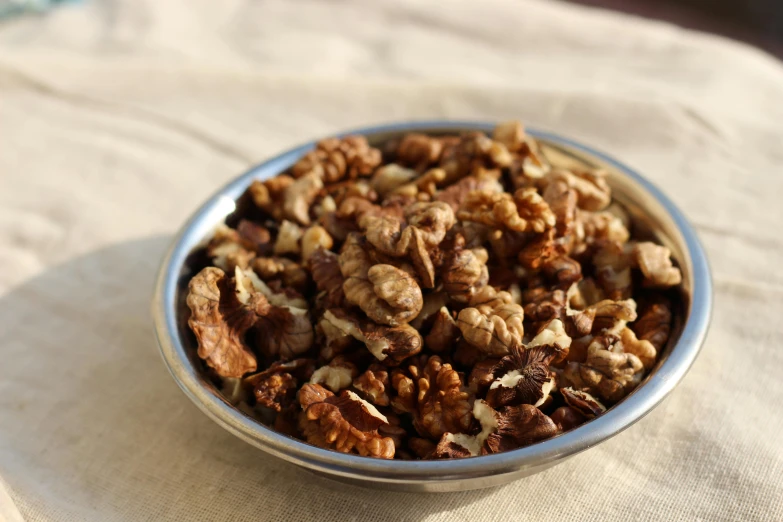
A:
(118, 117)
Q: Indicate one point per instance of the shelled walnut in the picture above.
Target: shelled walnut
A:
(431, 297)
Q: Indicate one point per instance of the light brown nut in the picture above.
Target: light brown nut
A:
(641, 348)
(276, 391)
(434, 394)
(522, 377)
(519, 426)
(228, 249)
(511, 134)
(344, 422)
(587, 405)
(463, 273)
(268, 195)
(314, 238)
(654, 323)
(454, 195)
(612, 316)
(275, 388)
(562, 201)
(374, 385)
(444, 332)
(562, 270)
(419, 150)
(397, 288)
(593, 192)
(355, 266)
(288, 238)
(613, 270)
(220, 324)
(283, 329)
(539, 251)
(334, 159)
(336, 376)
(607, 371)
(525, 211)
(289, 273)
(388, 344)
(493, 332)
(390, 177)
(325, 269)
(299, 196)
(656, 265)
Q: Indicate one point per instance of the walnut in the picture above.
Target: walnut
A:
(299, 196)
(511, 134)
(562, 202)
(472, 152)
(290, 273)
(463, 273)
(276, 391)
(656, 265)
(587, 405)
(454, 195)
(641, 348)
(388, 344)
(276, 387)
(567, 418)
(283, 326)
(591, 227)
(522, 377)
(314, 238)
(229, 250)
(344, 422)
(325, 268)
(337, 375)
(495, 330)
(525, 211)
(613, 270)
(612, 316)
(419, 150)
(374, 385)
(541, 251)
(220, 320)
(607, 371)
(427, 183)
(563, 270)
(385, 293)
(517, 427)
(390, 177)
(593, 192)
(397, 288)
(433, 393)
(654, 324)
(288, 238)
(334, 159)
(267, 194)
(460, 445)
(444, 332)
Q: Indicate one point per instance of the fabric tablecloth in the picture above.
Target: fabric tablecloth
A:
(117, 118)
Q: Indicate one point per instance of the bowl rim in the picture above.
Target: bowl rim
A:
(621, 416)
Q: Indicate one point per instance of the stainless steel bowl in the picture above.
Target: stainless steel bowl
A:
(650, 210)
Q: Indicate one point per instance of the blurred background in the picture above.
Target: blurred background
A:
(757, 22)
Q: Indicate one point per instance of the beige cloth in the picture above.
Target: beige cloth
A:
(118, 118)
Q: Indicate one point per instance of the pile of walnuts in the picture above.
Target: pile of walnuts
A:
(438, 297)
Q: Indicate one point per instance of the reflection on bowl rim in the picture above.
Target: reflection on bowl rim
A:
(364, 469)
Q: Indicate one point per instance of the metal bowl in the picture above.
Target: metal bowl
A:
(651, 212)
